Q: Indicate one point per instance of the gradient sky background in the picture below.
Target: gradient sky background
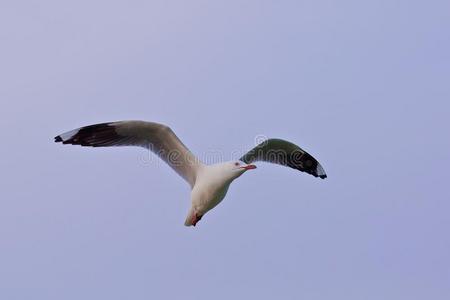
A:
(362, 85)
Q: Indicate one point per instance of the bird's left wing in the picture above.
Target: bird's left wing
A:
(158, 138)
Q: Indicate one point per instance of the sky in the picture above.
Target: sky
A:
(361, 85)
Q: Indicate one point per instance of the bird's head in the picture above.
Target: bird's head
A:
(237, 168)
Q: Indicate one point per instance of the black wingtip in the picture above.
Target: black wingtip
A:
(323, 176)
(58, 139)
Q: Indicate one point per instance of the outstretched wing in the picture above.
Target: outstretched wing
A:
(286, 154)
(156, 137)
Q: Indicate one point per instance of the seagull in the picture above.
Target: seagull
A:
(209, 183)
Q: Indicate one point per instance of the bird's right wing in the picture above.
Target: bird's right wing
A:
(158, 138)
(286, 154)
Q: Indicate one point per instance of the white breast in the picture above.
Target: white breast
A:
(210, 188)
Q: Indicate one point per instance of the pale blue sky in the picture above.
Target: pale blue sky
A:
(362, 85)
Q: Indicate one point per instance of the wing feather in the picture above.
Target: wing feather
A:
(285, 153)
(156, 137)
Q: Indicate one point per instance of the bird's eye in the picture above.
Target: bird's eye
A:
(236, 164)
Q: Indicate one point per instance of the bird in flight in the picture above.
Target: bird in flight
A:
(209, 183)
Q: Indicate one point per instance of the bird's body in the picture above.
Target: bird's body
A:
(210, 188)
(209, 183)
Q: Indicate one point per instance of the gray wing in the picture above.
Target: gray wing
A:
(287, 154)
(158, 138)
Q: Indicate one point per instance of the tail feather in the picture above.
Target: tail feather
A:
(190, 218)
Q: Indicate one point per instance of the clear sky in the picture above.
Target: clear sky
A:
(362, 85)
